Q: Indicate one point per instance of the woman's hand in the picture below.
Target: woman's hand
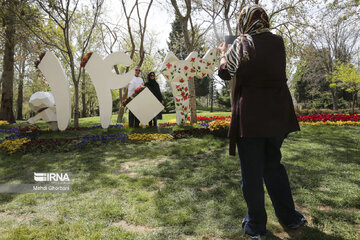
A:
(223, 48)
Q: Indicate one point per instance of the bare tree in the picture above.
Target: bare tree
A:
(191, 40)
(110, 37)
(142, 30)
(61, 13)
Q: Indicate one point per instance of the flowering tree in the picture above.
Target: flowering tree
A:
(347, 77)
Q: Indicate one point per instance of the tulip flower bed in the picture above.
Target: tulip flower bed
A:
(94, 127)
(27, 138)
(39, 145)
(148, 137)
(11, 146)
(4, 122)
(209, 119)
(329, 117)
(190, 132)
(336, 123)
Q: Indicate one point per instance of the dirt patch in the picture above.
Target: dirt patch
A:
(127, 166)
(329, 209)
(161, 184)
(289, 234)
(135, 228)
(3, 214)
(305, 212)
(204, 189)
(210, 237)
(213, 186)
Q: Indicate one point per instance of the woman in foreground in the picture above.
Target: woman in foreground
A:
(262, 116)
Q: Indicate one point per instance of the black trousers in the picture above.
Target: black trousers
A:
(260, 161)
(133, 121)
(153, 122)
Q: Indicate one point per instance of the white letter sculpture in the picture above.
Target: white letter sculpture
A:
(55, 75)
(43, 103)
(104, 80)
(178, 72)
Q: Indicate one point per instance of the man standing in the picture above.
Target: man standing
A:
(133, 85)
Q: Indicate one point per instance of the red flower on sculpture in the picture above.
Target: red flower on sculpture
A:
(177, 86)
(186, 89)
(137, 91)
(185, 108)
(38, 60)
(167, 76)
(182, 80)
(85, 59)
(186, 68)
(208, 64)
(192, 60)
(168, 65)
(200, 60)
(192, 70)
(42, 55)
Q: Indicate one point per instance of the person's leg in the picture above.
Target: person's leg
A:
(136, 122)
(251, 153)
(131, 119)
(277, 183)
(151, 123)
(155, 121)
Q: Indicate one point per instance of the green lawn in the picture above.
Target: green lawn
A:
(183, 189)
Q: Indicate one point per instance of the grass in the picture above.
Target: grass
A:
(184, 189)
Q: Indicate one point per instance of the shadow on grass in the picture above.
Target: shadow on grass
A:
(306, 233)
(208, 183)
(86, 167)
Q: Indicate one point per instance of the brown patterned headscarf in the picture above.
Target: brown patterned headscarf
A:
(252, 20)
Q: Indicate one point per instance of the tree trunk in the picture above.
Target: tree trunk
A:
(334, 99)
(227, 5)
(189, 43)
(72, 69)
(20, 89)
(7, 78)
(83, 95)
(76, 107)
(193, 118)
(121, 109)
(353, 102)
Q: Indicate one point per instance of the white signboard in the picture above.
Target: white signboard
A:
(145, 106)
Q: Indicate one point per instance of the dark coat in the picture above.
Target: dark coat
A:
(262, 105)
(155, 89)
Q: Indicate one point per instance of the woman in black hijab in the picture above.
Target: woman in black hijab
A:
(155, 89)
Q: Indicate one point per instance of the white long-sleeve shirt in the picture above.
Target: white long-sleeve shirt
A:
(134, 84)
